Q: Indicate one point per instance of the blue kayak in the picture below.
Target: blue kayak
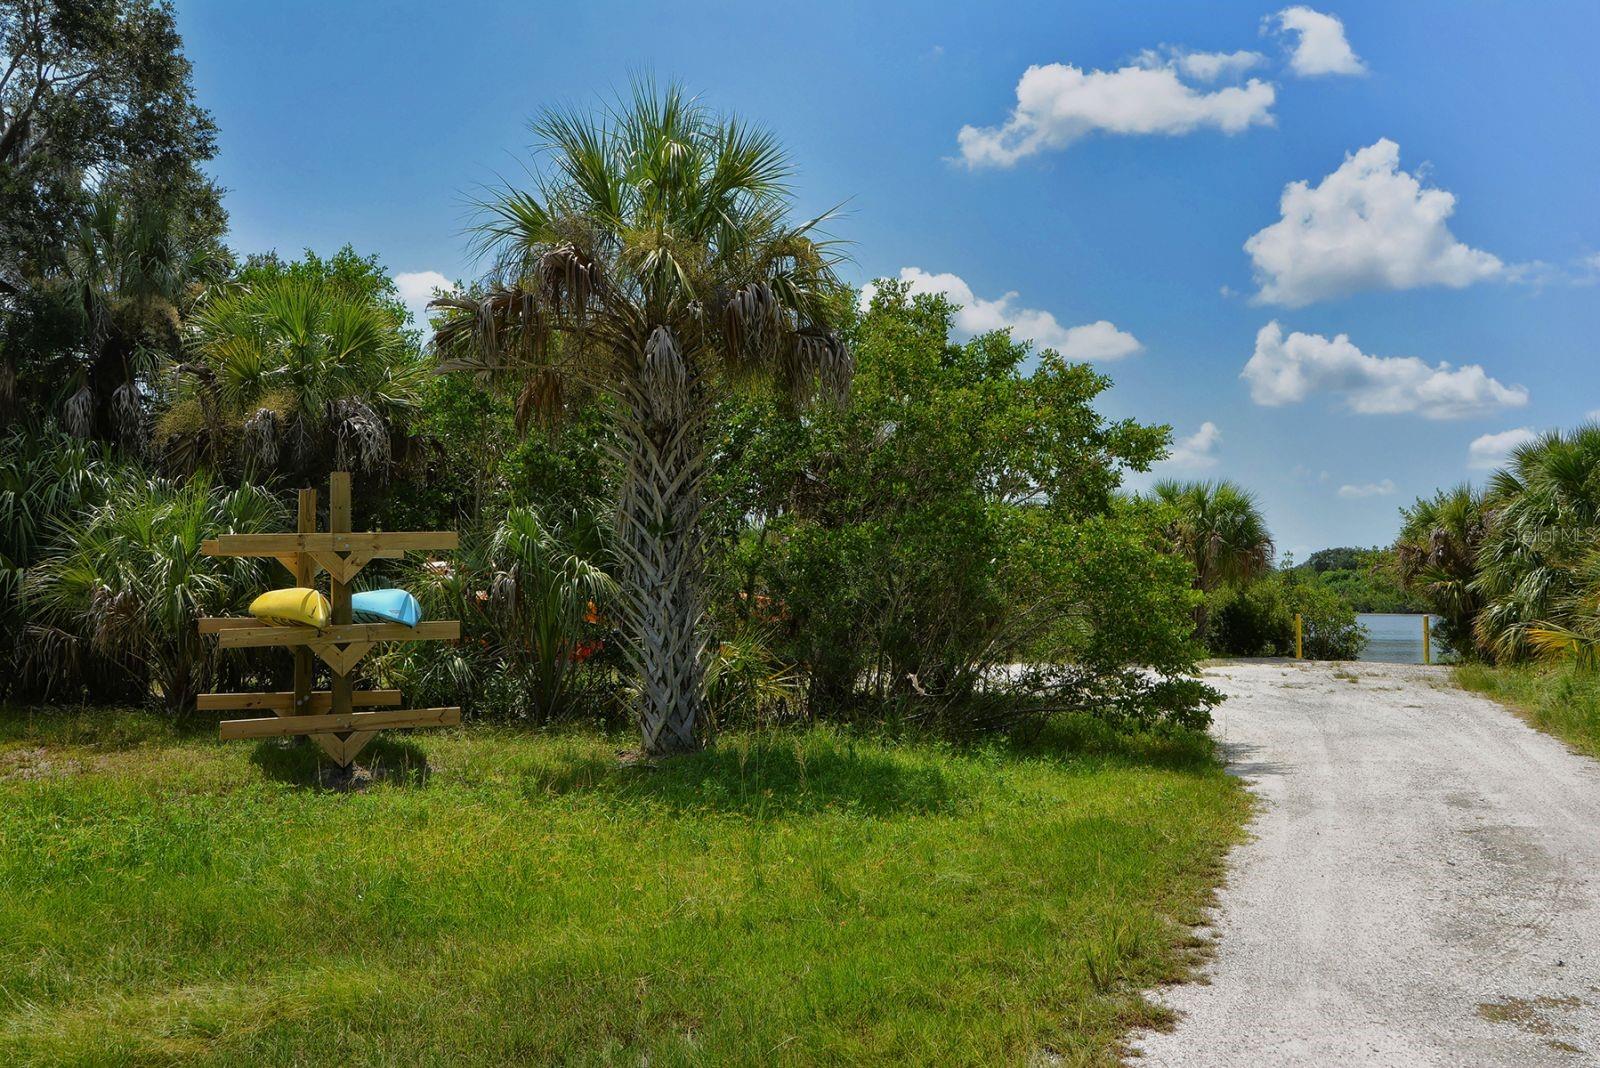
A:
(385, 606)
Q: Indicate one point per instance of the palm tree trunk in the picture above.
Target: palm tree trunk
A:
(662, 556)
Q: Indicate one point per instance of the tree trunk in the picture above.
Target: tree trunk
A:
(662, 556)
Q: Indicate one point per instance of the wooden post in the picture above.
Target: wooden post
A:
(338, 590)
(1427, 641)
(305, 572)
(1299, 638)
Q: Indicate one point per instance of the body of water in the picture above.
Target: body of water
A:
(1395, 638)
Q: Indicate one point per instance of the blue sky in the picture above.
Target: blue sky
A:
(1448, 214)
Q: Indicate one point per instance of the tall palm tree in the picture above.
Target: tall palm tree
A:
(653, 263)
(1219, 528)
(291, 377)
(1437, 557)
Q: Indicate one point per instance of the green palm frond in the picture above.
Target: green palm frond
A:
(330, 366)
(1219, 527)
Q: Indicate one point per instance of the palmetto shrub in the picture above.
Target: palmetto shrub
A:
(532, 593)
(1533, 566)
(46, 477)
(118, 597)
(1436, 556)
(289, 376)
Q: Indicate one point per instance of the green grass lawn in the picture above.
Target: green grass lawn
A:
(1560, 700)
(501, 897)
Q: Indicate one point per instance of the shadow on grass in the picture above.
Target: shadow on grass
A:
(1072, 738)
(779, 776)
(297, 760)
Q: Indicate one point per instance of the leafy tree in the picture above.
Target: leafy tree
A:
(95, 102)
(1344, 558)
(1367, 578)
(1328, 621)
(1256, 618)
(360, 278)
(128, 278)
(654, 263)
(957, 517)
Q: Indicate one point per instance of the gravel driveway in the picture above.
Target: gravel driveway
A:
(1422, 888)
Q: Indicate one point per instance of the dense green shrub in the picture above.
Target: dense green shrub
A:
(1250, 620)
(533, 594)
(117, 599)
(957, 519)
(1330, 629)
(1257, 619)
(1436, 556)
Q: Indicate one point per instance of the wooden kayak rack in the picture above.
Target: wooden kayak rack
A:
(341, 720)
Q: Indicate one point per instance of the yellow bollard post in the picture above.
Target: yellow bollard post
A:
(1299, 638)
(1427, 642)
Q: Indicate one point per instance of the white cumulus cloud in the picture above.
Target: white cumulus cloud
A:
(1368, 225)
(1491, 450)
(1288, 369)
(1367, 489)
(1097, 341)
(1200, 66)
(1058, 103)
(416, 289)
(1320, 46)
(1198, 450)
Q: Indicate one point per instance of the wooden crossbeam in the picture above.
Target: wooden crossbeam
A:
(285, 726)
(256, 636)
(375, 541)
(214, 624)
(283, 702)
(293, 560)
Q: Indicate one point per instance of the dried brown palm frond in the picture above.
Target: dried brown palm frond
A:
(262, 435)
(77, 415)
(361, 437)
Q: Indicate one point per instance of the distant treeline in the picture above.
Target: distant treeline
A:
(1366, 578)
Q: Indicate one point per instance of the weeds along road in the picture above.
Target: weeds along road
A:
(1422, 888)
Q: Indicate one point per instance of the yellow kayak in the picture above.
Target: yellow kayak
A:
(295, 606)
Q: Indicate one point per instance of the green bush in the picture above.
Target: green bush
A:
(954, 523)
(119, 596)
(1329, 622)
(1250, 620)
(1257, 619)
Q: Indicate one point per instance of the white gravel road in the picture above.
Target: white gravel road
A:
(1422, 887)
